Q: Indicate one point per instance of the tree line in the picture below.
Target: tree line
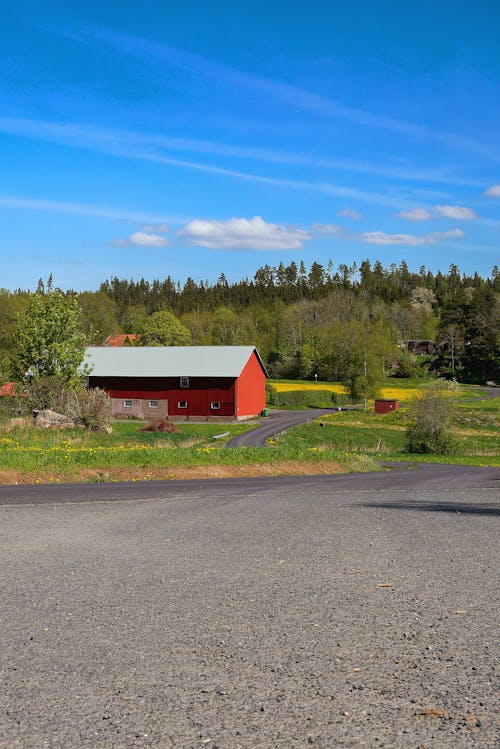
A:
(347, 323)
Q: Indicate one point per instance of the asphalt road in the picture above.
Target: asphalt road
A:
(276, 422)
(326, 611)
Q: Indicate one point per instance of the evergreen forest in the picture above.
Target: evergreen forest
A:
(318, 322)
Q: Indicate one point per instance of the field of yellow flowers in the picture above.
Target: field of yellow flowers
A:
(400, 393)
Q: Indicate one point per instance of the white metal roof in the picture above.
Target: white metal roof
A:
(168, 361)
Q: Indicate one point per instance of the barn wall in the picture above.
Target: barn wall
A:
(251, 388)
(199, 395)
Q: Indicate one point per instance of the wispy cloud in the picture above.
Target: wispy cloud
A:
(350, 213)
(106, 142)
(381, 238)
(327, 230)
(135, 144)
(162, 228)
(457, 212)
(290, 95)
(244, 234)
(493, 191)
(85, 209)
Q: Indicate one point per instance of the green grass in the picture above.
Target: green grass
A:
(353, 439)
(477, 435)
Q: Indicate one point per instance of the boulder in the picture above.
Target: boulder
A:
(47, 419)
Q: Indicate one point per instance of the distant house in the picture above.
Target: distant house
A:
(122, 339)
(421, 348)
(180, 381)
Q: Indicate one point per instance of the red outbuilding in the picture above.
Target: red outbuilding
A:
(385, 405)
(180, 381)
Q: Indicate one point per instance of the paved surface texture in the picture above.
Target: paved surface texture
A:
(255, 613)
(276, 422)
(400, 476)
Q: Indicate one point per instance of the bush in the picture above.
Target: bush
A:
(431, 420)
(340, 399)
(272, 395)
(90, 408)
(407, 366)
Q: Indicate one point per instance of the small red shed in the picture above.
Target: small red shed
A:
(180, 381)
(385, 405)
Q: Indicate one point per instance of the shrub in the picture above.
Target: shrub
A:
(340, 399)
(91, 408)
(272, 395)
(431, 419)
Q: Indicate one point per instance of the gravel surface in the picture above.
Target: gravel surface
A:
(255, 614)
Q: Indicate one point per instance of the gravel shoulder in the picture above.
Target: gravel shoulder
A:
(254, 613)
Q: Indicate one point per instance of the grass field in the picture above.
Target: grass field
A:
(477, 434)
(346, 441)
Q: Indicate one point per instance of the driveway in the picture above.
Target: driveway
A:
(275, 423)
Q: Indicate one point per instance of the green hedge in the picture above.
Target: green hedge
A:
(304, 398)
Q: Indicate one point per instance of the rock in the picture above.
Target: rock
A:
(47, 419)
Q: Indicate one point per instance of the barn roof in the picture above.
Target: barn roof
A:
(169, 361)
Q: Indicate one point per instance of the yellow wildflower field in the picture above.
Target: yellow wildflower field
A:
(398, 393)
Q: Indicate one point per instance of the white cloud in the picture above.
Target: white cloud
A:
(380, 237)
(416, 214)
(142, 239)
(493, 191)
(456, 212)
(161, 228)
(327, 229)
(350, 213)
(244, 234)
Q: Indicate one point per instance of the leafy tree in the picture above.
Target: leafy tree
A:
(99, 316)
(49, 342)
(162, 328)
(356, 354)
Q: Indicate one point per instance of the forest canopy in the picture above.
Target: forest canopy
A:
(306, 322)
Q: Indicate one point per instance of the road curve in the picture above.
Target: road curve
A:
(398, 477)
(275, 423)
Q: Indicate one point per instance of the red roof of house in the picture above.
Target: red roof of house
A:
(120, 339)
(8, 389)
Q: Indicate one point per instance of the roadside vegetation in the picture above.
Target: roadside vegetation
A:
(472, 436)
(337, 442)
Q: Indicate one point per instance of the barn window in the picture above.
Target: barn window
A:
(184, 382)
(127, 404)
(182, 404)
(215, 405)
(153, 404)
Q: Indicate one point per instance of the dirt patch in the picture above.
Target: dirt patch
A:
(91, 475)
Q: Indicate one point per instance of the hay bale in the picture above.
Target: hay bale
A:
(159, 425)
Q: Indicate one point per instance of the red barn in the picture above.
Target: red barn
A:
(180, 381)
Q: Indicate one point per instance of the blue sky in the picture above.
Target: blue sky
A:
(189, 139)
